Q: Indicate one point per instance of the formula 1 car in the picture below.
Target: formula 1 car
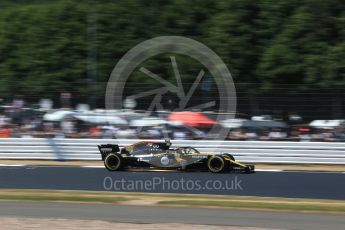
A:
(159, 155)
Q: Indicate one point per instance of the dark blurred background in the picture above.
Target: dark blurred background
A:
(287, 58)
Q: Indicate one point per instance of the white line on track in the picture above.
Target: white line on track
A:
(92, 166)
(6, 165)
(269, 170)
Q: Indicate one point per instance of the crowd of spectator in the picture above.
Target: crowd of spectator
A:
(17, 121)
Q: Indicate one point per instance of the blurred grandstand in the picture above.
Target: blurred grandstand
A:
(20, 120)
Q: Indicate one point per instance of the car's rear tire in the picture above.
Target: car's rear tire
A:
(217, 164)
(113, 162)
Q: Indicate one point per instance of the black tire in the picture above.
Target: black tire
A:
(113, 162)
(217, 164)
(230, 156)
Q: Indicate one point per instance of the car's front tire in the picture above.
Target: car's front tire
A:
(113, 162)
(217, 164)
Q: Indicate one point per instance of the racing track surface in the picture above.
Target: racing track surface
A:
(269, 184)
(140, 214)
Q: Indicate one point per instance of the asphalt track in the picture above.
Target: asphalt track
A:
(268, 184)
(140, 214)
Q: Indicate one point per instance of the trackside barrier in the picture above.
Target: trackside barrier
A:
(245, 151)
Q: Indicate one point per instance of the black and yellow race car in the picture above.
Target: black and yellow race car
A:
(160, 155)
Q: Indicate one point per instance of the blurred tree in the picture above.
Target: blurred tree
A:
(300, 53)
(44, 44)
(43, 48)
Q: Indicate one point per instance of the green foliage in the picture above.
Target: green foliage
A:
(45, 45)
(304, 51)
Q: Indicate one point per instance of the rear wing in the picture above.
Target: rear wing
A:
(108, 148)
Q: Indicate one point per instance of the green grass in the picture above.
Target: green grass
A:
(266, 203)
(260, 205)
